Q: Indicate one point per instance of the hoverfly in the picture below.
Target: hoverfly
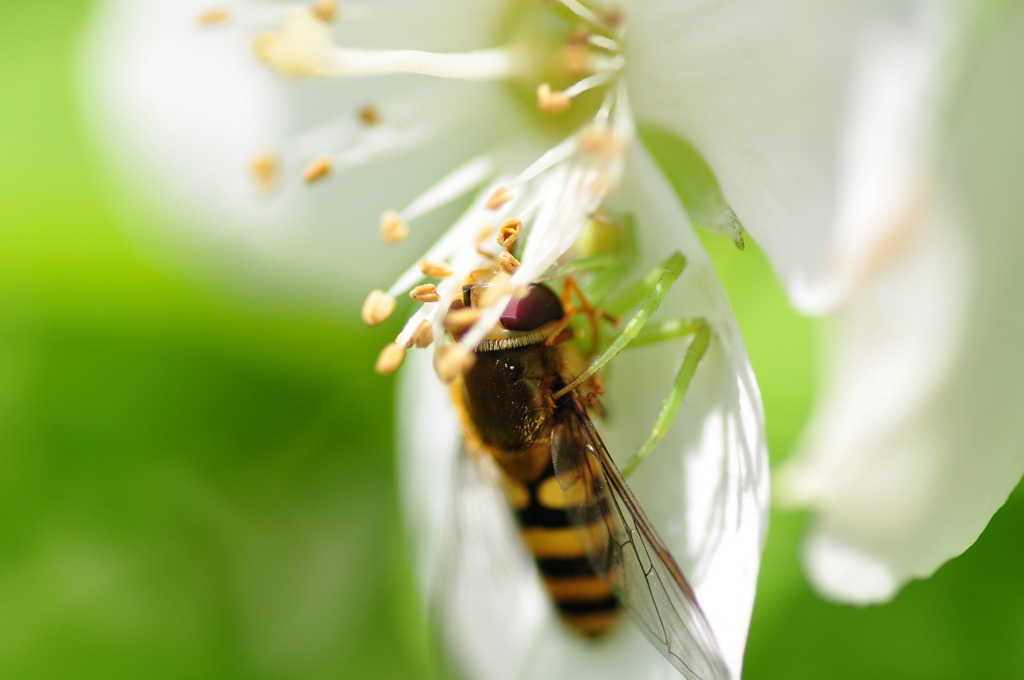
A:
(596, 552)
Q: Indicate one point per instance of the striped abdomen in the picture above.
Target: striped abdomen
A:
(582, 597)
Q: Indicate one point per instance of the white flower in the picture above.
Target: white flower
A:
(918, 441)
(759, 88)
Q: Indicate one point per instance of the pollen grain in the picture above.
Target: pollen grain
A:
(392, 228)
(318, 169)
(324, 10)
(509, 232)
(378, 307)
(390, 358)
(499, 197)
(426, 292)
(216, 15)
(435, 270)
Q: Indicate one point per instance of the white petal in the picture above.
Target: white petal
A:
(183, 105)
(919, 440)
(183, 109)
(762, 90)
(705, 487)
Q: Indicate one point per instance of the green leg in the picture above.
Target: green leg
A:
(656, 285)
(701, 332)
(646, 295)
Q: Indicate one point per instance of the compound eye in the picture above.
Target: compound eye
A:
(539, 306)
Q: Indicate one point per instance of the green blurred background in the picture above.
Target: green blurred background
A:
(199, 483)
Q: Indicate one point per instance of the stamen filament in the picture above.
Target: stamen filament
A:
(603, 42)
(492, 64)
(457, 183)
(588, 83)
(583, 12)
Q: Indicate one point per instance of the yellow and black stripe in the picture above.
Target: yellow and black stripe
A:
(582, 597)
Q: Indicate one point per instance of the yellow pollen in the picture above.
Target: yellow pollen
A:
(509, 232)
(318, 169)
(213, 16)
(324, 10)
(498, 198)
(392, 228)
(265, 171)
(423, 335)
(740, 243)
(378, 307)
(452, 361)
(368, 115)
(461, 319)
(390, 359)
(425, 293)
(435, 270)
(575, 59)
(612, 18)
(600, 141)
(508, 262)
(551, 101)
(580, 35)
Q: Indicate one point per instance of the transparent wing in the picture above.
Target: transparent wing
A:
(624, 548)
(484, 601)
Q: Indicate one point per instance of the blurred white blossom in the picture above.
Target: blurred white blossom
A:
(916, 442)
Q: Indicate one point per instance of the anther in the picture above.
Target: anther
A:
(425, 293)
(551, 101)
(612, 18)
(600, 140)
(508, 262)
(509, 232)
(392, 228)
(265, 171)
(378, 307)
(435, 270)
(368, 115)
(461, 319)
(390, 358)
(580, 35)
(499, 197)
(423, 335)
(452, 361)
(575, 59)
(318, 169)
(324, 10)
(216, 15)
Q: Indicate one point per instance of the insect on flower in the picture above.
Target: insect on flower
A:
(522, 360)
(524, 397)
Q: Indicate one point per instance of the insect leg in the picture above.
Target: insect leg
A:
(646, 295)
(652, 289)
(668, 330)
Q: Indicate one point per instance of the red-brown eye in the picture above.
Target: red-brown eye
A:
(538, 307)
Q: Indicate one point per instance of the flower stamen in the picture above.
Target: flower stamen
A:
(392, 228)
(324, 10)
(303, 47)
(378, 307)
(390, 359)
(215, 15)
(424, 335)
(426, 292)
(499, 197)
(318, 169)
(435, 270)
(266, 171)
